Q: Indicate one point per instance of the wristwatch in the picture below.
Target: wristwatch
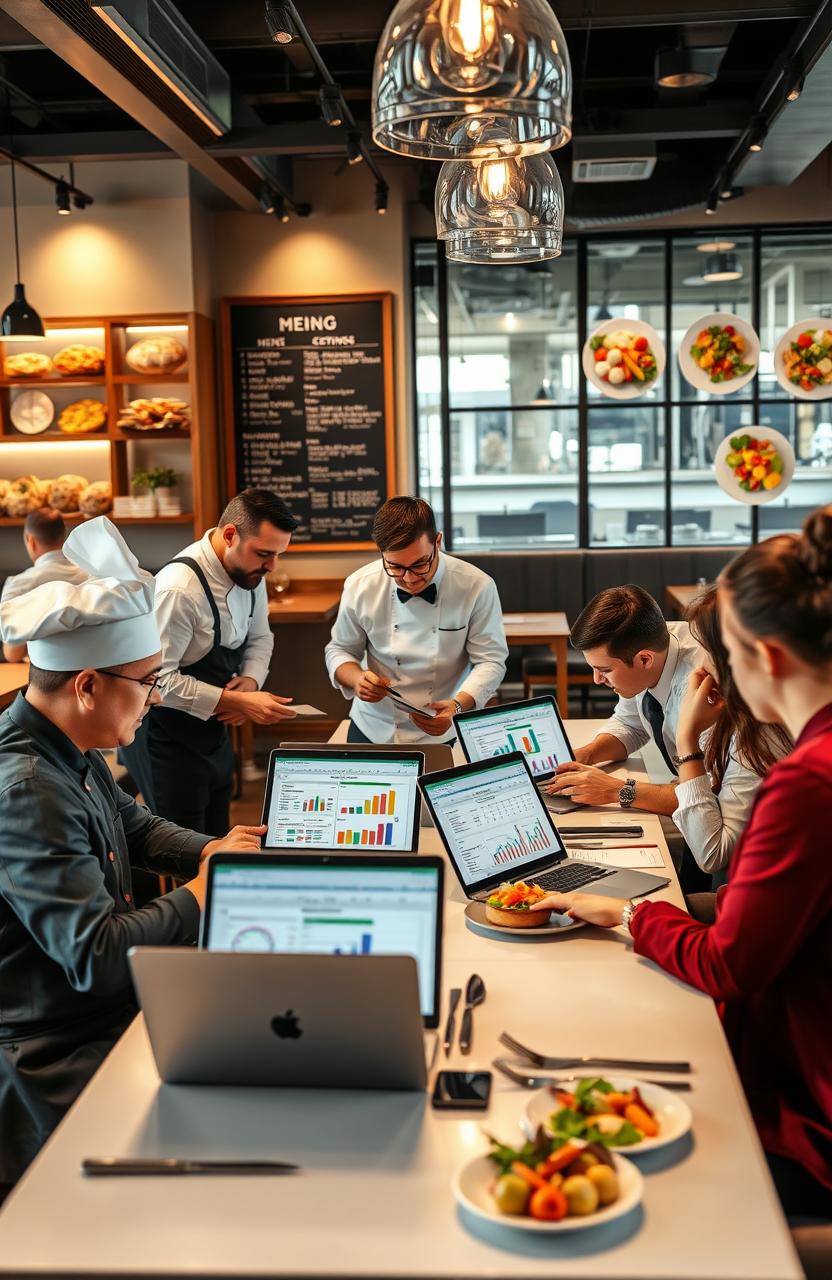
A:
(627, 914)
(627, 794)
(458, 706)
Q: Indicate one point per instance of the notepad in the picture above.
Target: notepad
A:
(619, 857)
(304, 709)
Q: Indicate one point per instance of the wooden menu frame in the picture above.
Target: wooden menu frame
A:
(229, 424)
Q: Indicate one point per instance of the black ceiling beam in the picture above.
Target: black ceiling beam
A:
(117, 144)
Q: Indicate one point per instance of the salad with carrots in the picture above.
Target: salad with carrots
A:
(598, 1113)
(755, 463)
(719, 350)
(516, 897)
(550, 1179)
(808, 359)
(623, 357)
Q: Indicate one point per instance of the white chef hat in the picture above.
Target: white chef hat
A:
(103, 621)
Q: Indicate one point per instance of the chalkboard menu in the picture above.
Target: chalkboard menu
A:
(309, 409)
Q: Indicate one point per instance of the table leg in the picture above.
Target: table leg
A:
(560, 648)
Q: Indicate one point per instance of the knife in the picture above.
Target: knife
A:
(450, 1025)
(474, 995)
(127, 1166)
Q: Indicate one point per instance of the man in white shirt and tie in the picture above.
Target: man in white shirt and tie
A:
(421, 622)
(44, 534)
(212, 611)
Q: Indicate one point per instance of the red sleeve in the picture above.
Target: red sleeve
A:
(780, 886)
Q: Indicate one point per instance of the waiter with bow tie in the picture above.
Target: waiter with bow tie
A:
(418, 621)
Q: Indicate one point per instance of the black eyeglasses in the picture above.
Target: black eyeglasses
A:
(418, 567)
(147, 682)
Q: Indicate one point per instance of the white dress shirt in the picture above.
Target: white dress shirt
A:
(187, 628)
(51, 566)
(430, 652)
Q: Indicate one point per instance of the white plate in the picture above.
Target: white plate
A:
(32, 412)
(726, 479)
(473, 1181)
(626, 390)
(814, 322)
(699, 377)
(671, 1112)
(475, 912)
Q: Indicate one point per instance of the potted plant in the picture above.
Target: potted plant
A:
(160, 484)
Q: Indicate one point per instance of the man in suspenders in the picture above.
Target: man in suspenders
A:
(212, 612)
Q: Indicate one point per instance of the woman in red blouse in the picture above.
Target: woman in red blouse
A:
(767, 957)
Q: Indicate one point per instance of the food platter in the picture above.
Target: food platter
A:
(627, 390)
(32, 412)
(791, 335)
(727, 480)
(475, 913)
(671, 1112)
(701, 378)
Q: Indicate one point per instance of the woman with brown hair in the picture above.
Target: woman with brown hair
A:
(724, 766)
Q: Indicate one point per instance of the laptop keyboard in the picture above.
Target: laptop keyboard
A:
(571, 876)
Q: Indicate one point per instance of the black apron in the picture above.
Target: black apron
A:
(195, 747)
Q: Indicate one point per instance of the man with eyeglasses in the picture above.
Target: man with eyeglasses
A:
(69, 835)
(419, 622)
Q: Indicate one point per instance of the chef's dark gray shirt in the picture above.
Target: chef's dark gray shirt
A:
(67, 918)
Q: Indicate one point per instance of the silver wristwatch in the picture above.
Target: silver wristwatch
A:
(627, 914)
(458, 706)
(627, 794)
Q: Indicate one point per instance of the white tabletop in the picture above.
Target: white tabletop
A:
(374, 1198)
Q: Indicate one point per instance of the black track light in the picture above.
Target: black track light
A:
(795, 81)
(713, 202)
(354, 152)
(266, 198)
(382, 193)
(80, 200)
(280, 211)
(331, 108)
(279, 23)
(757, 135)
(303, 210)
(62, 198)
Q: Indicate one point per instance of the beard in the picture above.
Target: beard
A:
(246, 580)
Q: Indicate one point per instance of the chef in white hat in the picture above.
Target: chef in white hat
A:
(69, 834)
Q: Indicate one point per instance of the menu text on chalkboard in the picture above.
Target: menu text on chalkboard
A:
(309, 409)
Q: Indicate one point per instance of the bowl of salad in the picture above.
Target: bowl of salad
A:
(803, 359)
(619, 1112)
(754, 465)
(719, 353)
(623, 359)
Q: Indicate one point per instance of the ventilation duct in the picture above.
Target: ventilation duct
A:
(612, 162)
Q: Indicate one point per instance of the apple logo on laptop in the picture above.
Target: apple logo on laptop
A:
(287, 1026)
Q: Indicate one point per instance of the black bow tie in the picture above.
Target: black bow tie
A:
(428, 594)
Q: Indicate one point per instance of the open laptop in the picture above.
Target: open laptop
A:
(438, 756)
(533, 727)
(316, 970)
(332, 797)
(495, 827)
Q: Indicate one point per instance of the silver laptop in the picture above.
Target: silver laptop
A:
(438, 756)
(533, 727)
(496, 828)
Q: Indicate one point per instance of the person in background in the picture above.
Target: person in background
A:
(44, 534)
(212, 610)
(719, 781)
(767, 955)
(421, 621)
(67, 915)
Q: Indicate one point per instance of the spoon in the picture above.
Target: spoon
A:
(474, 995)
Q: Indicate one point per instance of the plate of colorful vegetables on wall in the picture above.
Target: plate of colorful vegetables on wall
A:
(754, 464)
(803, 359)
(719, 353)
(623, 359)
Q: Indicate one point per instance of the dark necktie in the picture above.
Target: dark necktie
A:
(428, 594)
(654, 716)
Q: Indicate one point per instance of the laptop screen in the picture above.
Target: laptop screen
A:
(332, 907)
(531, 727)
(342, 801)
(493, 822)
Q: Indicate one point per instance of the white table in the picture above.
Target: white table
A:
(374, 1197)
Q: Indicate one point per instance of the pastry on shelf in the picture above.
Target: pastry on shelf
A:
(97, 498)
(156, 356)
(155, 414)
(78, 361)
(82, 416)
(5, 485)
(24, 494)
(27, 364)
(65, 492)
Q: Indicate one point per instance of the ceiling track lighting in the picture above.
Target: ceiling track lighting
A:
(446, 72)
(62, 198)
(757, 135)
(503, 210)
(266, 198)
(355, 153)
(331, 108)
(684, 68)
(382, 194)
(713, 202)
(795, 81)
(279, 23)
(280, 211)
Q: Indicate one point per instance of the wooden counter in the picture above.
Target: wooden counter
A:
(14, 676)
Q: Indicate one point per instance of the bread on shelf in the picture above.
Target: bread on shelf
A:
(155, 356)
(78, 360)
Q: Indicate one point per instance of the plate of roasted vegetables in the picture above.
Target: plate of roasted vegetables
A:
(616, 1112)
(754, 465)
(803, 359)
(719, 353)
(623, 359)
(548, 1184)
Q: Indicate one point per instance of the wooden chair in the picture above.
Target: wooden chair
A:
(539, 667)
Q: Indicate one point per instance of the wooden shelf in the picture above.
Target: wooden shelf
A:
(168, 433)
(17, 522)
(56, 437)
(91, 380)
(148, 380)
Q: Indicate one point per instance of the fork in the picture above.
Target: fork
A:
(562, 1064)
(544, 1082)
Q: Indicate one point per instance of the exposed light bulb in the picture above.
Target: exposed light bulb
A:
(469, 27)
(495, 179)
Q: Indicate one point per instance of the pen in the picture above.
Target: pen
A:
(597, 844)
(137, 1165)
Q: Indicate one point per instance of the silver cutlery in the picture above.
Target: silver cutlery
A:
(474, 995)
(521, 1077)
(450, 1025)
(562, 1064)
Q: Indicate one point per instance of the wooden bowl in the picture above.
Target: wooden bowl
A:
(516, 919)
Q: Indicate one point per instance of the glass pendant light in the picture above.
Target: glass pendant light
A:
(447, 70)
(722, 266)
(500, 210)
(19, 322)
